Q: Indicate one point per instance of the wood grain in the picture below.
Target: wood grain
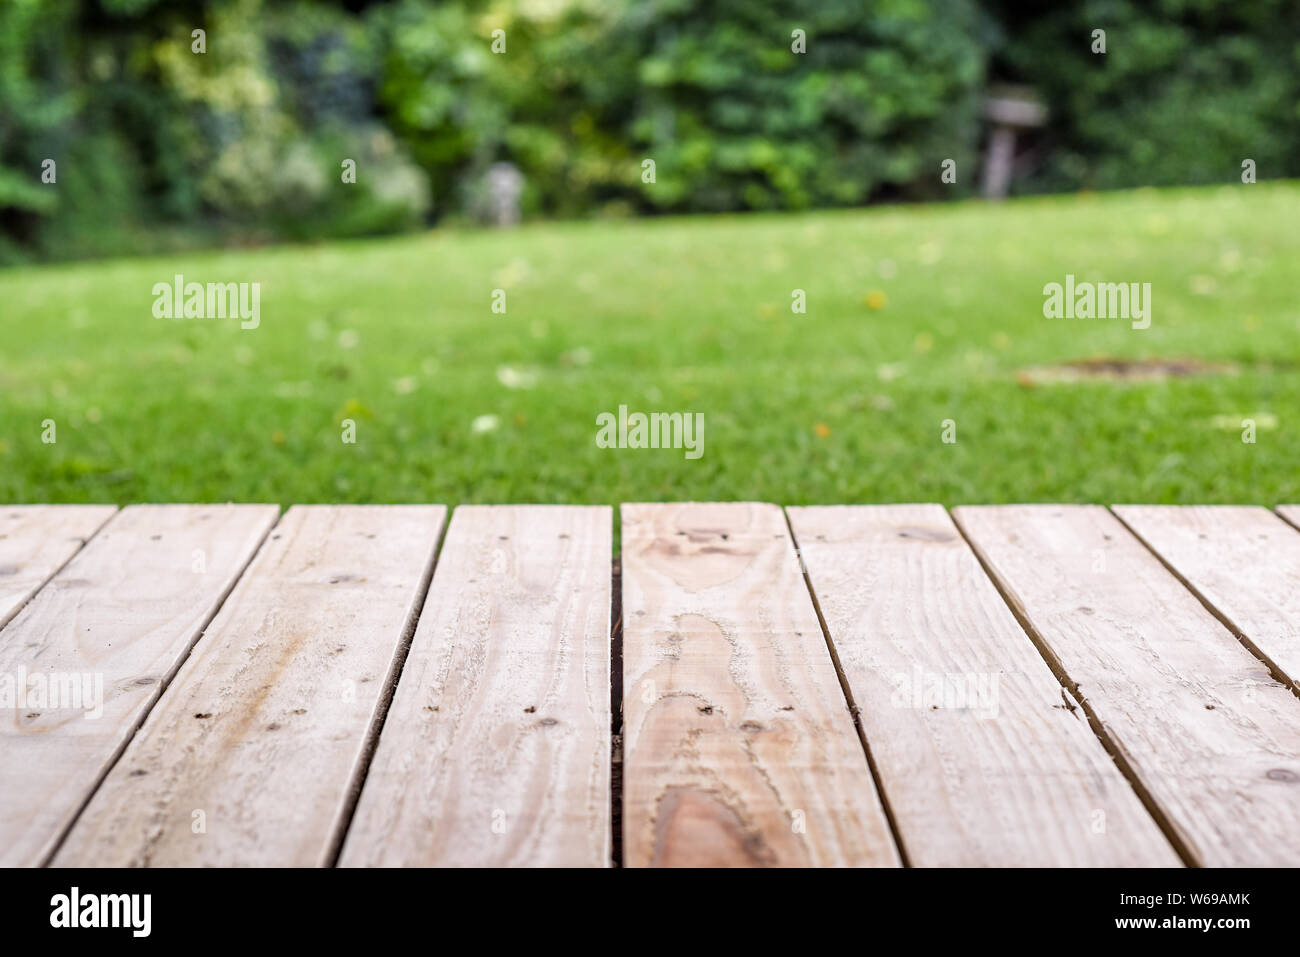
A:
(496, 750)
(1196, 718)
(35, 542)
(1243, 561)
(253, 754)
(739, 749)
(983, 759)
(120, 617)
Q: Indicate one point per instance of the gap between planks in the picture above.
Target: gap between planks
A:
(1204, 726)
(616, 702)
(616, 710)
(385, 704)
(262, 732)
(739, 747)
(155, 633)
(36, 543)
(497, 747)
(1238, 580)
(847, 691)
(906, 603)
(1071, 688)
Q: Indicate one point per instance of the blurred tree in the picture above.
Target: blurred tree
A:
(740, 104)
(1185, 91)
(248, 137)
(735, 118)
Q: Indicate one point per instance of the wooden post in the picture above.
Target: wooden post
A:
(1009, 112)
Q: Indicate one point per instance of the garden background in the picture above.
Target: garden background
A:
(775, 171)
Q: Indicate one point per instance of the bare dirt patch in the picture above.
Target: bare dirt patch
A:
(1106, 369)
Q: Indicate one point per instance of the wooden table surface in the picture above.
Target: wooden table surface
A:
(745, 685)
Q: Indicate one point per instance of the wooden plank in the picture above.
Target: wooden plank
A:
(112, 627)
(496, 750)
(35, 542)
(739, 748)
(1196, 719)
(984, 760)
(1242, 560)
(1291, 513)
(253, 754)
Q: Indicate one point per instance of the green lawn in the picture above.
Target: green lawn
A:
(843, 404)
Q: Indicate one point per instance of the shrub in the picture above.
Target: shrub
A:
(1185, 90)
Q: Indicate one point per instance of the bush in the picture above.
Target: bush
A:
(277, 112)
(1183, 94)
(734, 119)
(711, 91)
(248, 139)
(245, 139)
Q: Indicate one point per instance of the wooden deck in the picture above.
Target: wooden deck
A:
(815, 686)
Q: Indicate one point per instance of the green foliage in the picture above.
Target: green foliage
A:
(735, 119)
(713, 92)
(434, 87)
(34, 106)
(278, 109)
(246, 140)
(1184, 92)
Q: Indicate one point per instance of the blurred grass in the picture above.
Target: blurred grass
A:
(843, 404)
